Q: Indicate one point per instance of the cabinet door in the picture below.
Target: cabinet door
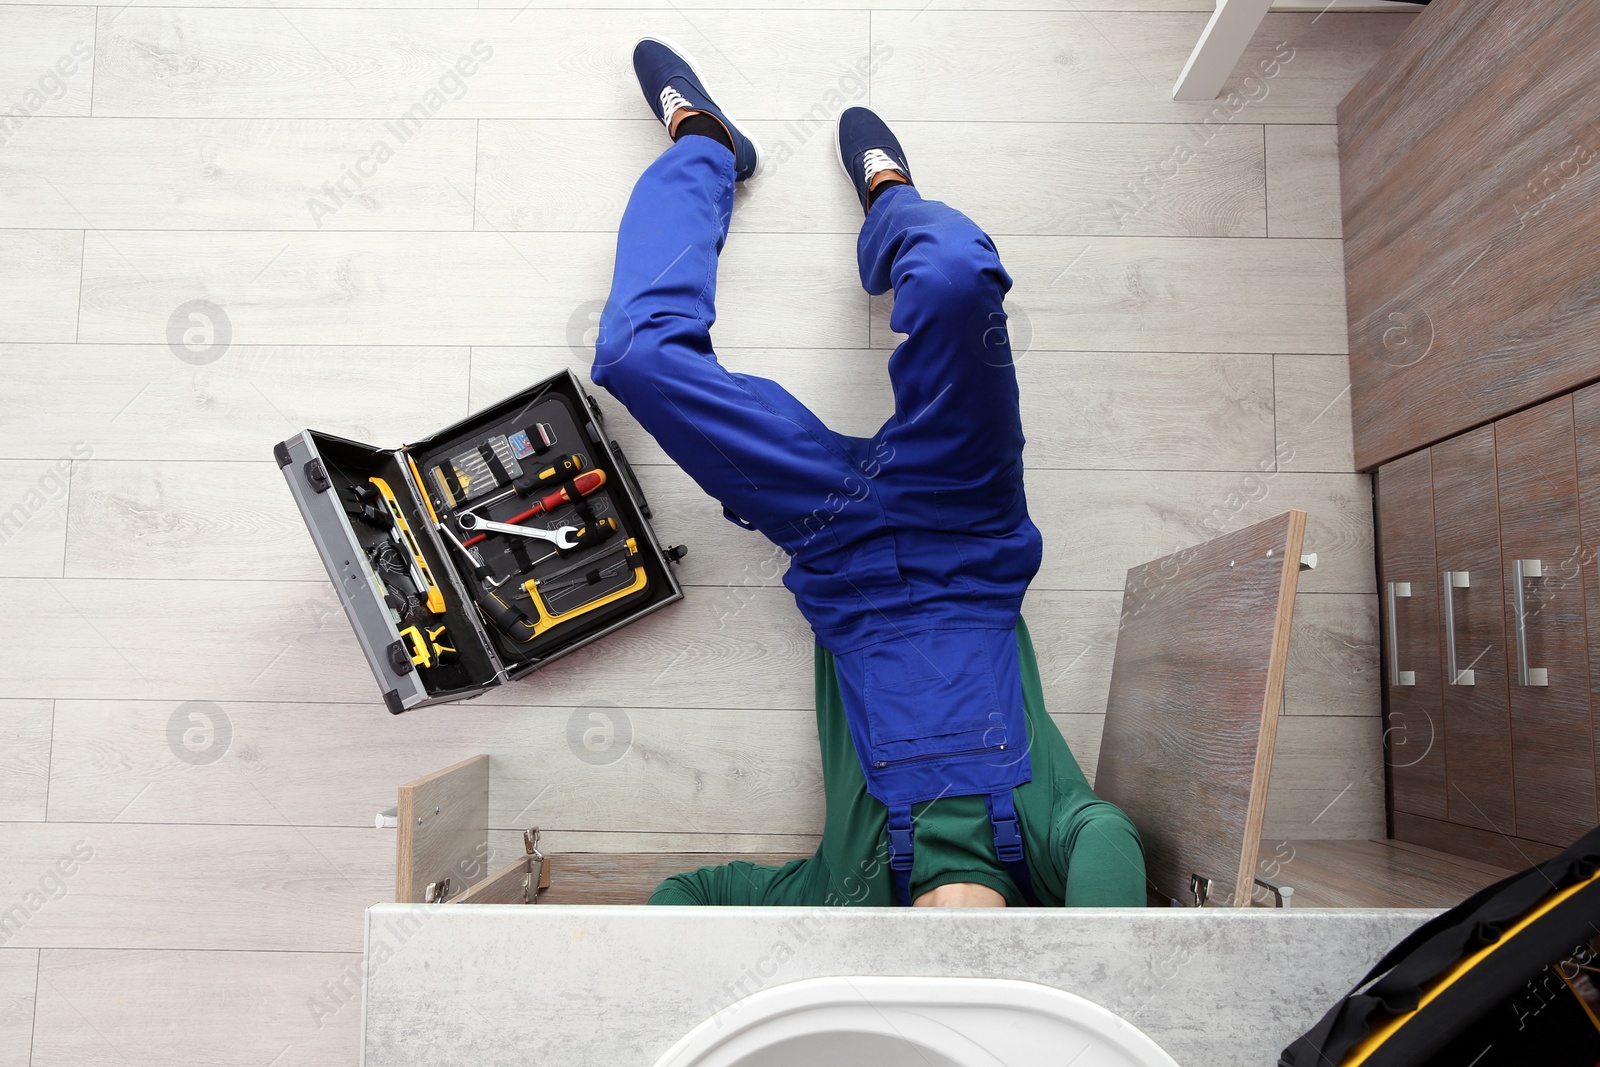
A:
(1414, 742)
(1546, 655)
(1586, 420)
(1477, 724)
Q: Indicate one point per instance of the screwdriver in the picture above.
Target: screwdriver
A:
(586, 483)
(528, 484)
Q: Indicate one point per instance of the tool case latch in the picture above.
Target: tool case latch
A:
(399, 658)
(317, 475)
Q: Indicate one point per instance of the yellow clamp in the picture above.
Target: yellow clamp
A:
(430, 651)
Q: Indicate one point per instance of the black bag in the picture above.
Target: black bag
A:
(1510, 976)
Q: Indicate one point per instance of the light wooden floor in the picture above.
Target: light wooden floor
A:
(1178, 293)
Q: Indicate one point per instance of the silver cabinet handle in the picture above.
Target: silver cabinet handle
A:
(1521, 570)
(1396, 675)
(1454, 580)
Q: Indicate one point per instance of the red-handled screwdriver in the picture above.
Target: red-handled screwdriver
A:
(586, 483)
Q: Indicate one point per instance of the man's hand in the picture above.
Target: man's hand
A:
(961, 895)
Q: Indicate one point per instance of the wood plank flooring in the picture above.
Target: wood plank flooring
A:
(185, 701)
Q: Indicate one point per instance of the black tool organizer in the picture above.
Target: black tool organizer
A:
(608, 581)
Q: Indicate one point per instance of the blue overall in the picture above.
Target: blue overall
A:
(910, 550)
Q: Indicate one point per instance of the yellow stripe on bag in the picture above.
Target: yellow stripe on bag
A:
(1375, 1040)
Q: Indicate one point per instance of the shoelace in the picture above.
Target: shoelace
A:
(876, 161)
(672, 100)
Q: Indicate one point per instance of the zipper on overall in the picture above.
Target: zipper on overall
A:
(881, 764)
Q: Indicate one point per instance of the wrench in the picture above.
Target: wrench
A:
(562, 537)
(479, 567)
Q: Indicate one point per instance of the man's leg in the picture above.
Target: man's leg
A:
(956, 424)
(951, 455)
(745, 440)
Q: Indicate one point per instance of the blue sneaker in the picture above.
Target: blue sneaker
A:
(671, 81)
(867, 147)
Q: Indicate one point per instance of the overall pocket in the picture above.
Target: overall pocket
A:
(931, 694)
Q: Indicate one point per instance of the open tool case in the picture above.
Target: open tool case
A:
(451, 600)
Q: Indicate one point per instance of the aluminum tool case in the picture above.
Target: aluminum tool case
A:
(322, 470)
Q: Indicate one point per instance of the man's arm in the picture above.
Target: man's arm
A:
(1104, 858)
(739, 883)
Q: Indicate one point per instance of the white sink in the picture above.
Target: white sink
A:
(863, 1021)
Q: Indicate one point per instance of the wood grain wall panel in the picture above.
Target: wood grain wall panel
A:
(630, 877)
(1468, 273)
(1476, 717)
(1586, 423)
(1414, 740)
(19, 977)
(198, 1009)
(1196, 689)
(1552, 744)
(1500, 849)
(1443, 70)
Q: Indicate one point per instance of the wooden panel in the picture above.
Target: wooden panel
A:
(441, 287)
(1055, 65)
(140, 402)
(33, 516)
(1333, 657)
(1081, 410)
(39, 273)
(25, 736)
(1586, 424)
(19, 976)
(1414, 735)
(1195, 696)
(518, 882)
(1327, 777)
(200, 1009)
(48, 65)
(573, 63)
(1132, 179)
(1302, 181)
(1469, 274)
(1099, 410)
(630, 878)
(276, 887)
(1283, 294)
(1097, 524)
(1552, 743)
(1376, 874)
(443, 830)
(1477, 725)
(1312, 407)
(1486, 846)
(233, 174)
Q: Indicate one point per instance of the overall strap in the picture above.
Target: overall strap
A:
(900, 851)
(1008, 843)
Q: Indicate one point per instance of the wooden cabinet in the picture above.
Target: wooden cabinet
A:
(1546, 655)
(1473, 703)
(1414, 735)
(1491, 722)
(1471, 215)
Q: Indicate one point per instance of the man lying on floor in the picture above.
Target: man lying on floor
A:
(947, 783)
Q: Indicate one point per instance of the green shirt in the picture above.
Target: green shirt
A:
(1081, 850)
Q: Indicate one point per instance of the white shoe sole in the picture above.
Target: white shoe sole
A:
(683, 53)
